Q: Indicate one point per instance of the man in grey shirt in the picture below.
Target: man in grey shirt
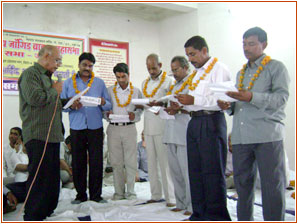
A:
(175, 136)
(258, 131)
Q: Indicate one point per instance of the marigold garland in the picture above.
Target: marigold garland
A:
(187, 82)
(163, 77)
(74, 82)
(129, 96)
(264, 62)
(193, 86)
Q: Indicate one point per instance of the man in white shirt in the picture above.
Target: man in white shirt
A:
(19, 162)
(122, 134)
(14, 142)
(65, 163)
(154, 87)
(206, 135)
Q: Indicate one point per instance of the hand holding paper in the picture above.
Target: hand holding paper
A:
(221, 88)
(71, 101)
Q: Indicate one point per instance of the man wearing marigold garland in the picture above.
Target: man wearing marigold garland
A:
(122, 136)
(206, 135)
(86, 130)
(154, 87)
(175, 136)
(258, 131)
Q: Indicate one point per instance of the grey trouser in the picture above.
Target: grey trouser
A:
(177, 156)
(269, 158)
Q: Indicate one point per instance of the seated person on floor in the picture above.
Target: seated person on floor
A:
(19, 162)
(65, 163)
(13, 145)
(142, 174)
(9, 201)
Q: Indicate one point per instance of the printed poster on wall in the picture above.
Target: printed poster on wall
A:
(20, 51)
(107, 54)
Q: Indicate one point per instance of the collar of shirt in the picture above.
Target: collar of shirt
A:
(257, 62)
(119, 89)
(158, 78)
(42, 70)
(205, 66)
(183, 80)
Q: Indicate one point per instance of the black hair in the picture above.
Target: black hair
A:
(182, 61)
(197, 42)
(256, 31)
(19, 130)
(87, 56)
(121, 67)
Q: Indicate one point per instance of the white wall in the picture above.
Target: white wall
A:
(223, 25)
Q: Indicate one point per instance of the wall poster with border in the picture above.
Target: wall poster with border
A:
(107, 54)
(20, 51)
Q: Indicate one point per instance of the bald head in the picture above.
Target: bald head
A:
(47, 49)
(153, 65)
(50, 58)
(154, 57)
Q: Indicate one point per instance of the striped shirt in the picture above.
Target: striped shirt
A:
(37, 101)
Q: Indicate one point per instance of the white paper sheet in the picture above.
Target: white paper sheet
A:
(154, 109)
(219, 89)
(140, 101)
(89, 101)
(164, 98)
(118, 118)
(70, 102)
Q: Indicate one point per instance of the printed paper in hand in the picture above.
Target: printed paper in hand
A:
(89, 101)
(140, 101)
(219, 89)
(154, 109)
(70, 102)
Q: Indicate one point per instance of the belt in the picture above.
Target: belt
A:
(122, 124)
(202, 113)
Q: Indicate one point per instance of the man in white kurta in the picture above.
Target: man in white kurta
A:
(175, 136)
(122, 135)
(155, 86)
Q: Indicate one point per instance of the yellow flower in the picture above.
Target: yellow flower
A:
(74, 82)
(264, 62)
(128, 99)
(209, 68)
(155, 90)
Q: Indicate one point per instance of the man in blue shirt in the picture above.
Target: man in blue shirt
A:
(86, 130)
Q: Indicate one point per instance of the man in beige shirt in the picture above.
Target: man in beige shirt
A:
(122, 134)
(154, 87)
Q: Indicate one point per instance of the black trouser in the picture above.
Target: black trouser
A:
(206, 151)
(81, 142)
(19, 190)
(44, 194)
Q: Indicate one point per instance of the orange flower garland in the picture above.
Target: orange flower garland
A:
(187, 82)
(163, 77)
(129, 96)
(74, 81)
(264, 62)
(193, 86)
